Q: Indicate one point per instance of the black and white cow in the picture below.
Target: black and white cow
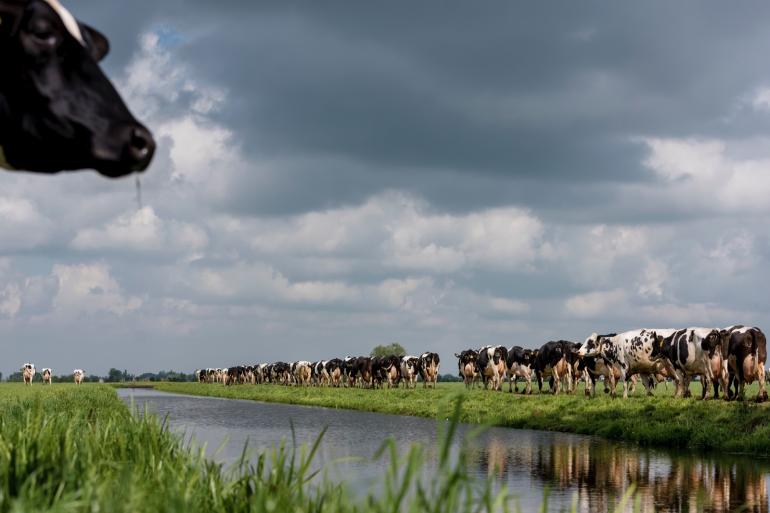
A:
(78, 375)
(58, 111)
(386, 370)
(28, 373)
(553, 361)
(429, 367)
(47, 375)
(302, 373)
(281, 373)
(333, 369)
(746, 357)
(520, 364)
(492, 365)
(467, 366)
(633, 352)
(694, 352)
(410, 369)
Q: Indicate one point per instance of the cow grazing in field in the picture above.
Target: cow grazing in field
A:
(633, 352)
(320, 376)
(467, 366)
(746, 356)
(281, 373)
(362, 371)
(553, 361)
(410, 369)
(492, 365)
(519, 364)
(302, 373)
(429, 366)
(333, 369)
(694, 352)
(47, 373)
(386, 370)
(595, 367)
(58, 111)
(28, 373)
(78, 375)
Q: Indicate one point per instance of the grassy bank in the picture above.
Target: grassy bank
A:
(660, 421)
(79, 449)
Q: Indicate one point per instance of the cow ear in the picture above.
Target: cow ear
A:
(11, 12)
(96, 42)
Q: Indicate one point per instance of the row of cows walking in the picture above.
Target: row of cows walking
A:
(28, 373)
(361, 371)
(731, 358)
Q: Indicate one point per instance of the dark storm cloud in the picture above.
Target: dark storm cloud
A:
(422, 95)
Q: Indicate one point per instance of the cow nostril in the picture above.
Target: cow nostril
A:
(140, 146)
(139, 141)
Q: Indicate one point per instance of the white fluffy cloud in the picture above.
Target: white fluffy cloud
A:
(143, 231)
(398, 231)
(90, 289)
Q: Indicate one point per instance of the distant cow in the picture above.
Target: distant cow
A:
(467, 366)
(429, 366)
(520, 364)
(47, 376)
(386, 370)
(746, 356)
(333, 369)
(59, 111)
(410, 369)
(302, 372)
(78, 375)
(28, 373)
(552, 361)
(281, 373)
(492, 365)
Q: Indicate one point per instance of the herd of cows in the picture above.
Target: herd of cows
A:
(729, 358)
(362, 371)
(28, 373)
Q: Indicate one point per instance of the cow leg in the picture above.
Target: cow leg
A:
(706, 385)
(556, 382)
(686, 382)
(625, 382)
(762, 394)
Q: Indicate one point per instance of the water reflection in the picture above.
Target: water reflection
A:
(527, 462)
(600, 472)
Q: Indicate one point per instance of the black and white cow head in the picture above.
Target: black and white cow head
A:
(58, 111)
(711, 342)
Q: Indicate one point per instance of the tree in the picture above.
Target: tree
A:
(387, 350)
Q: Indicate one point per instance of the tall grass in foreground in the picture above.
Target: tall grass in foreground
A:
(64, 449)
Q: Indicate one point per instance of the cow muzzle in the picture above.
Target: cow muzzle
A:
(129, 149)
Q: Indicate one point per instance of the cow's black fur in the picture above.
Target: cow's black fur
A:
(58, 111)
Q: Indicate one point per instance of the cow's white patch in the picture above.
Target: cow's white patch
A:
(69, 21)
(4, 163)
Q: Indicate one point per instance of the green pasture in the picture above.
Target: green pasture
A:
(662, 421)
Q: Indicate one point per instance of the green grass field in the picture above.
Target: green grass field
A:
(79, 449)
(661, 421)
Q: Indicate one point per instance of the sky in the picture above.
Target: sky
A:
(335, 175)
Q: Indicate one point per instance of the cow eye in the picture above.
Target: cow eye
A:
(43, 33)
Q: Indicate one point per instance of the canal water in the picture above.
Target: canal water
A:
(592, 471)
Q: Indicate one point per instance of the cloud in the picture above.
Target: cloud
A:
(142, 231)
(88, 289)
(594, 305)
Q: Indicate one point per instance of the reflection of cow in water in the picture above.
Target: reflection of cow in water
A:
(601, 472)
